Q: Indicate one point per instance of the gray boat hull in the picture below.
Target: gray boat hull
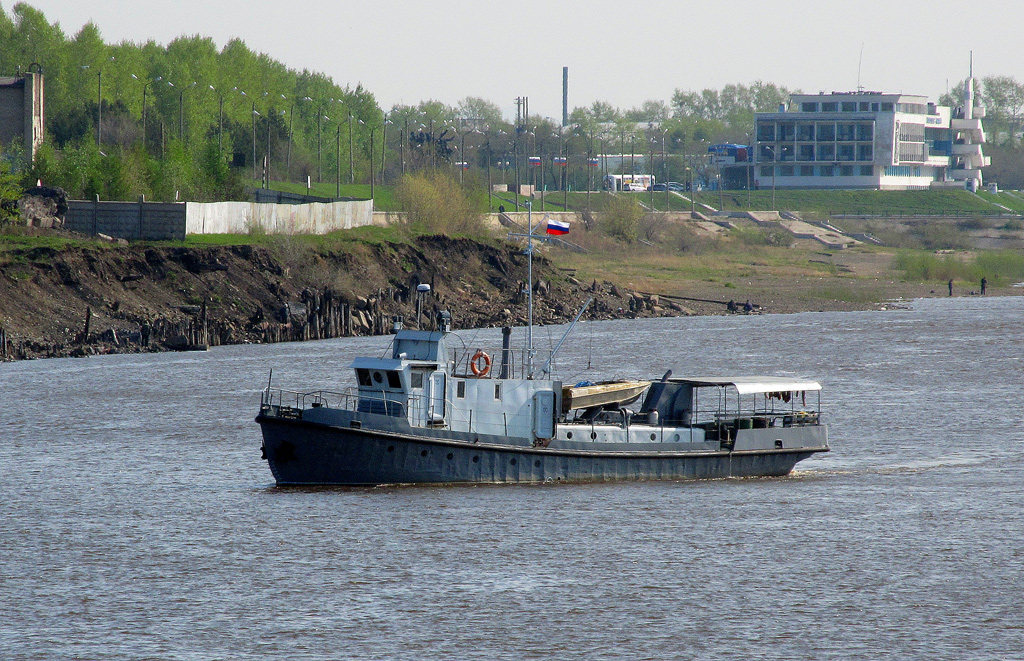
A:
(307, 453)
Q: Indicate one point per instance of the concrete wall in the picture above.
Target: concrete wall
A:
(241, 217)
(155, 221)
(150, 221)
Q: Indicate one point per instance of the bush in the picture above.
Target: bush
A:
(621, 219)
(434, 203)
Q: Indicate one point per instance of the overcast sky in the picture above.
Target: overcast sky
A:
(405, 51)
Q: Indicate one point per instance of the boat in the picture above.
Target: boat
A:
(432, 411)
(436, 410)
(587, 394)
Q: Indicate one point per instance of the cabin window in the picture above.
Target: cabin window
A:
(460, 389)
(363, 377)
(394, 379)
(416, 379)
(497, 391)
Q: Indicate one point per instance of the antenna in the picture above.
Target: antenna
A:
(860, 63)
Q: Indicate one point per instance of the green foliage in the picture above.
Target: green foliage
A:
(10, 191)
(186, 84)
(998, 266)
(621, 218)
(434, 203)
(759, 236)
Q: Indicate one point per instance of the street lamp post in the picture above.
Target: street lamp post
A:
(145, 86)
(689, 188)
(771, 149)
(181, 110)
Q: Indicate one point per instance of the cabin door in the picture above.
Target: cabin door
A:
(419, 399)
(434, 397)
(544, 414)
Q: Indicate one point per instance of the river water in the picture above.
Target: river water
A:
(137, 520)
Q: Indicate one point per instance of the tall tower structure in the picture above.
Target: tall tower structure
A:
(968, 138)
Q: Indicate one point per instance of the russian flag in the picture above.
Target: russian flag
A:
(557, 227)
(534, 161)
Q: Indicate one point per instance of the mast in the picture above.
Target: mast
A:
(529, 284)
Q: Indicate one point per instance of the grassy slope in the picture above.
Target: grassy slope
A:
(815, 203)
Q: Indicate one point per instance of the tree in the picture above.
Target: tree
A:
(621, 218)
(1003, 97)
(434, 203)
(10, 192)
(488, 113)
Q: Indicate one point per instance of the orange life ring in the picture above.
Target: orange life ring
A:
(480, 363)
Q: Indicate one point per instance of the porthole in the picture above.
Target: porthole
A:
(536, 464)
(568, 434)
(512, 463)
(593, 435)
(378, 377)
(423, 453)
(675, 437)
(391, 448)
(450, 456)
(476, 460)
(654, 436)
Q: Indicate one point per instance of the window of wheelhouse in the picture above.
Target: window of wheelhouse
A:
(394, 379)
(363, 377)
(460, 389)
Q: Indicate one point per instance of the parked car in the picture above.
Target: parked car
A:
(657, 187)
(635, 187)
(676, 186)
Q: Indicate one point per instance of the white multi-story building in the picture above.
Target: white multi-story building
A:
(870, 140)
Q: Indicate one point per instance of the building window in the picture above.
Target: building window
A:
(829, 106)
(827, 171)
(767, 170)
(785, 170)
(806, 153)
(785, 152)
(809, 107)
(845, 132)
(805, 132)
(846, 171)
(786, 130)
(849, 106)
(865, 131)
(865, 153)
(826, 152)
(874, 107)
(865, 106)
(766, 132)
(767, 153)
(886, 107)
(806, 170)
(826, 132)
(844, 153)
(867, 171)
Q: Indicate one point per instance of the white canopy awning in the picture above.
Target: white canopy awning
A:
(754, 384)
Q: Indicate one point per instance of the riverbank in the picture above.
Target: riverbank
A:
(86, 298)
